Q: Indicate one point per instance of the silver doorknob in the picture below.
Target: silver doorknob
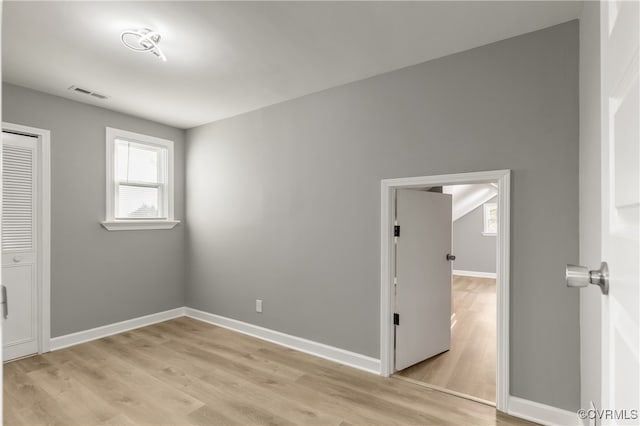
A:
(580, 276)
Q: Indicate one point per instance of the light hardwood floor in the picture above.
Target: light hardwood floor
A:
(469, 367)
(187, 372)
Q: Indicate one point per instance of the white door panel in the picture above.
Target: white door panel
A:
(626, 149)
(19, 251)
(620, 26)
(423, 275)
(20, 325)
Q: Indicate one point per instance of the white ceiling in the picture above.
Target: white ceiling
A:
(226, 58)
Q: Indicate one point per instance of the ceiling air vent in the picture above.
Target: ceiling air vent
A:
(87, 92)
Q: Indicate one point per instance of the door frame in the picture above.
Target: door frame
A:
(43, 230)
(503, 179)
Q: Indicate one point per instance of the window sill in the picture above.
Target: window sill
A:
(489, 234)
(138, 225)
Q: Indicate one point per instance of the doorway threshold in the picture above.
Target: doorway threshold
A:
(444, 390)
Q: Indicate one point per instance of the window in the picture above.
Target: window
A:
(139, 182)
(490, 219)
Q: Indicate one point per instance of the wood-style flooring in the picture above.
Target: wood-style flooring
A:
(186, 372)
(469, 367)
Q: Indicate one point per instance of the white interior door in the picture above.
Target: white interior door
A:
(621, 207)
(423, 276)
(19, 262)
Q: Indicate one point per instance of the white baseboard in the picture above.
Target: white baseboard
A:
(463, 273)
(111, 329)
(321, 350)
(341, 356)
(541, 413)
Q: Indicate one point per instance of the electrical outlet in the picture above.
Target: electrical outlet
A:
(259, 305)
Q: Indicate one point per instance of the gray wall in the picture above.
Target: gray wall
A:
(99, 277)
(473, 251)
(590, 218)
(284, 202)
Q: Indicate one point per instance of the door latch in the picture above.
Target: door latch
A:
(4, 303)
(450, 257)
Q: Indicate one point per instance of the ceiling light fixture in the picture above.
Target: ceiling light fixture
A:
(143, 40)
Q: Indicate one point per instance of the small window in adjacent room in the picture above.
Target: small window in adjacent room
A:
(490, 219)
(139, 182)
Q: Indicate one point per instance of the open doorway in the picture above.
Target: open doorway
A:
(445, 318)
(468, 366)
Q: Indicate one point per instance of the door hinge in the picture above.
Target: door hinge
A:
(396, 319)
(396, 231)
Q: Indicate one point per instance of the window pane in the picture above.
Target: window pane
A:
(122, 156)
(137, 202)
(137, 163)
(492, 220)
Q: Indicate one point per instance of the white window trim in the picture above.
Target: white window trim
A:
(486, 208)
(113, 224)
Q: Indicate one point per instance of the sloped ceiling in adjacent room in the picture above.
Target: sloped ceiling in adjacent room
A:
(467, 198)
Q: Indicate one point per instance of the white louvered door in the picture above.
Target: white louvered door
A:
(19, 262)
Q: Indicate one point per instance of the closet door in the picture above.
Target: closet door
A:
(19, 262)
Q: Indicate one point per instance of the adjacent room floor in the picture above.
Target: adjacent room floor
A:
(470, 366)
(188, 372)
